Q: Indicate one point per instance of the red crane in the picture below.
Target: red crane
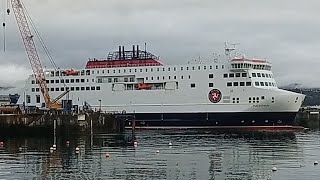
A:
(32, 53)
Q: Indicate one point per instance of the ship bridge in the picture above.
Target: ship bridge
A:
(243, 64)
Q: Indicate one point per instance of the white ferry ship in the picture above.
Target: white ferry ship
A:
(229, 91)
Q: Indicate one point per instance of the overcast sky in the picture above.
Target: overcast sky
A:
(286, 32)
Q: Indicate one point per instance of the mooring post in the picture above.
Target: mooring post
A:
(91, 128)
(54, 131)
(133, 129)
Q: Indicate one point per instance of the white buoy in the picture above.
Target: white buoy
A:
(135, 143)
(20, 149)
(170, 143)
(315, 163)
(54, 146)
(77, 150)
(274, 169)
(157, 151)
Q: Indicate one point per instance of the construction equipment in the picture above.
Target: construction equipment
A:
(33, 55)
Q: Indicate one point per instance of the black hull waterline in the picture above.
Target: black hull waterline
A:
(213, 119)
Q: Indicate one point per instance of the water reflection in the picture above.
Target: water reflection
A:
(195, 154)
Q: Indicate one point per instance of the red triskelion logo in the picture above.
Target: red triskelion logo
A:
(214, 95)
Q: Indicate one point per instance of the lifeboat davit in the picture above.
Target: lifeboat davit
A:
(144, 86)
(71, 72)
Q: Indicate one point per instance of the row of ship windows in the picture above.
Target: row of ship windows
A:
(229, 84)
(87, 72)
(262, 75)
(265, 84)
(246, 65)
(131, 79)
(64, 81)
(256, 99)
(92, 88)
(232, 75)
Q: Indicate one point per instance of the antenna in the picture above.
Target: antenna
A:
(229, 47)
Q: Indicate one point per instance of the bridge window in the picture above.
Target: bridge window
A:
(259, 75)
(193, 85)
(51, 89)
(72, 88)
(235, 83)
(263, 75)
(256, 83)
(241, 83)
(225, 75)
(261, 84)
(210, 84)
(244, 74)
(210, 75)
(237, 74)
(248, 83)
(254, 75)
(229, 84)
(32, 89)
(98, 88)
(77, 88)
(231, 75)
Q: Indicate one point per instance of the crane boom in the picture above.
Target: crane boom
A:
(31, 50)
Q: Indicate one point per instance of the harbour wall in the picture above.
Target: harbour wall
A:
(47, 122)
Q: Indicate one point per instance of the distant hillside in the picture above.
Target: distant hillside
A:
(6, 87)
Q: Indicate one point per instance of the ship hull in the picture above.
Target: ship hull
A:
(214, 119)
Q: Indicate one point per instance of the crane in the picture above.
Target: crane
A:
(33, 55)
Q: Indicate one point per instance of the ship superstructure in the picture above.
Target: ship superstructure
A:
(236, 91)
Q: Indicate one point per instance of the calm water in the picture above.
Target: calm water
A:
(195, 154)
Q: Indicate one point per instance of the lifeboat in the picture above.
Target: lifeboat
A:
(71, 72)
(144, 86)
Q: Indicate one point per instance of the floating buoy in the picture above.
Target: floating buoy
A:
(54, 146)
(274, 169)
(20, 149)
(77, 150)
(67, 142)
(315, 163)
(107, 155)
(1, 143)
(170, 143)
(157, 151)
(51, 149)
(135, 143)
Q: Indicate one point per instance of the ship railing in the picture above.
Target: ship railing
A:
(124, 65)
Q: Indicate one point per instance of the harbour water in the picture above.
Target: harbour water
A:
(194, 154)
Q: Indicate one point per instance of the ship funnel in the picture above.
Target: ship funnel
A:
(133, 51)
(123, 54)
(119, 52)
(138, 51)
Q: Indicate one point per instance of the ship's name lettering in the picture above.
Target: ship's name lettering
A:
(260, 106)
